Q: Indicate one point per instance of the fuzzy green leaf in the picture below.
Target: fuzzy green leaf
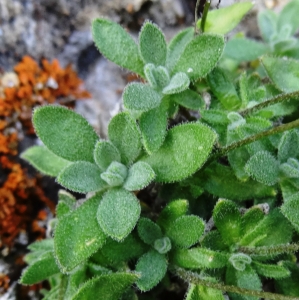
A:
(65, 133)
(185, 231)
(189, 99)
(43, 245)
(148, 231)
(239, 261)
(242, 49)
(44, 160)
(247, 279)
(200, 292)
(140, 97)
(290, 210)
(224, 89)
(124, 134)
(152, 266)
(82, 177)
(197, 258)
(118, 213)
(283, 72)
(105, 153)
(139, 176)
(227, 219)
(289, 170)
(158, 77)
(153, 125)
(288, 146)
(178, 83)
(115, 174)
(171, 212)
(121, 49)
(263, 167)
(219, 180)
(105, 287)
(250, 219)
(163, 245)
(200, 56)
(66, 203)
(185, 149)
(267, 22)
(74, 281)
(289, 17)
(152, 44)
(271, 271)
(40, 269)
(177, 45)
(225, 19)
(78, 235)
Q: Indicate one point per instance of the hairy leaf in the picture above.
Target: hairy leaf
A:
(288, 146)
(290, 210)
(289, 17)
(239, 261)
(65, 133)
(271, 271)
(78, 235)
(267, 22)
(188, 99)
(185, 231)
(115, 174)
(200, 56)
(121, 49)
(148, 231)
(118, 213)
(163, 245)
(200, 292)
(178, 83)
(152, 266)
(152, 44)
(82, 177)
(124, 134)
(184, 151)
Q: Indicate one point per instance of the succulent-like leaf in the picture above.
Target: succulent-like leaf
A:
(263, 167)
(271, 271)
(163, 245)
(152, 44)
(185, 231)
(177, 45)
(240, 260)
(139, 176)
(200, 56)
(115, 174)
(125, 53)
(152, 266)
(40, 269)
(65, 133)
(247, 279)
(171, 212)
(227, 219)
(267, 22)
(197, 258)
(140, 97)
(124, 134)
(105, 153)
(178, 83)
(189, 99)
(118, 213)
(251, 219)
(288, 146)
(66, 203)
(44, 160)
(200, 292)
(219, 180)
(153, 125)
(161, 76)
(242, 49)
(225, 19)
(78, 235)
(290, 210)
(289, 16)
(224, 89)
(74, 281)
(283, 72)
(43, 245)
(105, 287)
(185, 149)
(82, 177)
(148, 231)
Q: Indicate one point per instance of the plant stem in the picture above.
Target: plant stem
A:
(272, 250)
(284, 127)
(204, 16)
(196, 17)
(194, 278)
(278, 99)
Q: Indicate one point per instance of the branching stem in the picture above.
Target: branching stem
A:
(194, 278)
(272, 101)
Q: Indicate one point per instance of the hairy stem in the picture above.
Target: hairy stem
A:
(194, 278)
(284, 127)
(278, 99)
(272, 250)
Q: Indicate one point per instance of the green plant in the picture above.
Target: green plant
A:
(242, 146)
